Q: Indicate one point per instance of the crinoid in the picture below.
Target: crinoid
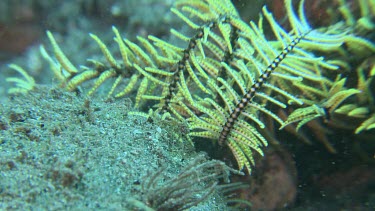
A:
(343, 102)
(223, 75)
(21, 85)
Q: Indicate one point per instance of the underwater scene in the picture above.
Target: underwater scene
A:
(160, 105)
